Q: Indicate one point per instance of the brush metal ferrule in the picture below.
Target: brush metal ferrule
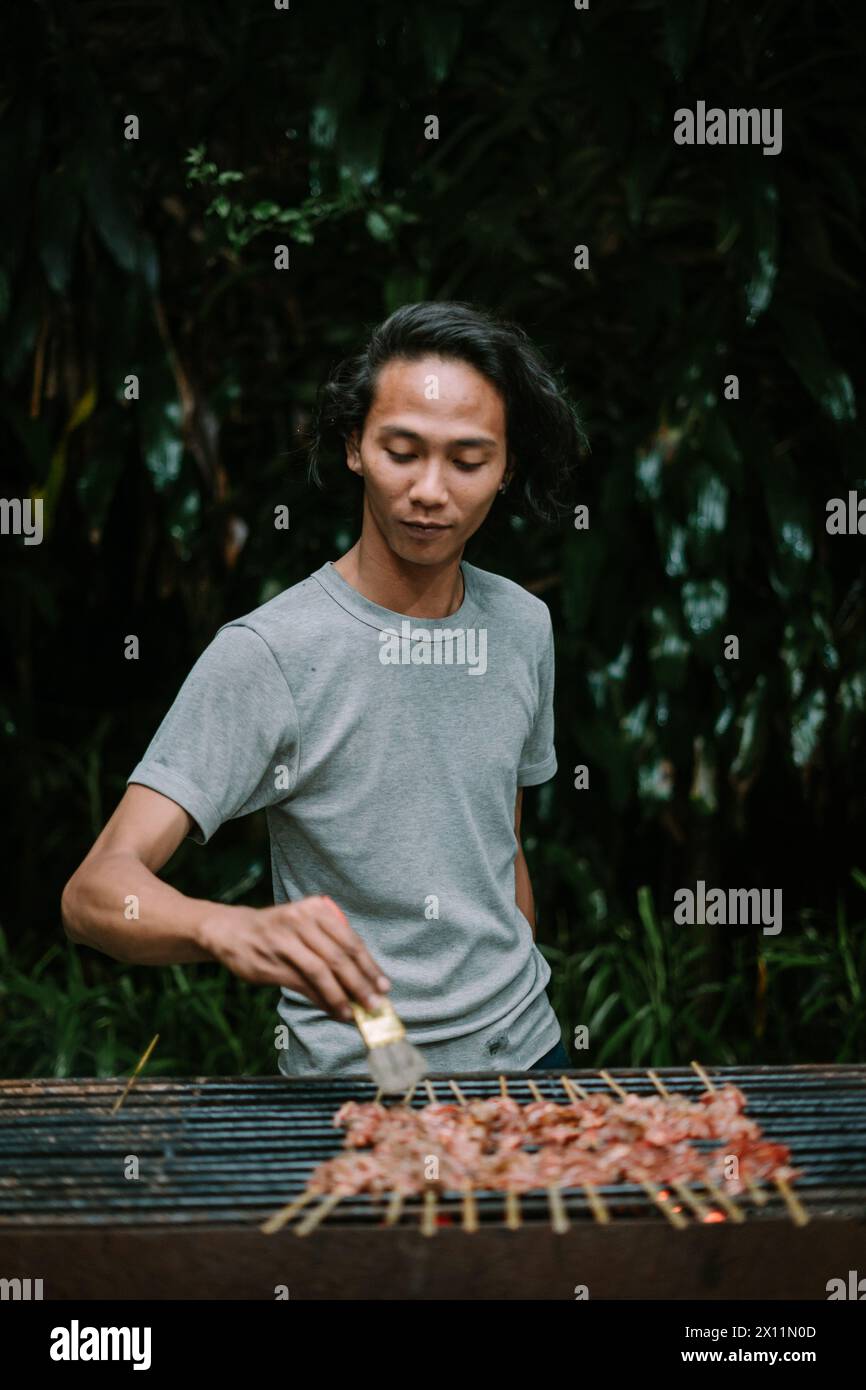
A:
(379, 1026)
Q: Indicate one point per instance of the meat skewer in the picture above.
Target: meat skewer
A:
(470, 1210)
(596, 1203)
(512, 1198)
(718, 1195)
(558, 1215)
(675, 1217)
(595, 1140)
(797, 1211)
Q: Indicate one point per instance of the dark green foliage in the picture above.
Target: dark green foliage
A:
(707, 515)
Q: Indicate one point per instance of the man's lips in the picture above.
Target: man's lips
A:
(426, 525)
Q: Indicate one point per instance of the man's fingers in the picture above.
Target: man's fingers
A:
(321, 977)
(342, 966)
(332, 920)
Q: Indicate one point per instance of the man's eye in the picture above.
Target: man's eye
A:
(400, 458)
(467, 467)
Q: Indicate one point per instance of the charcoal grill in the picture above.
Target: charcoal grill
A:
(218, 1158)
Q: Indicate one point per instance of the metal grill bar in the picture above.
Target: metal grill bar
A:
(230, 1151)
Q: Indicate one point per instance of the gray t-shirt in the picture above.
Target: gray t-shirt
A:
(387, 752)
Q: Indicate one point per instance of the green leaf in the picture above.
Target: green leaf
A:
(759, 290)
(378, 226)
(59, 213)
(790, 518)
(359, 149)
(668, 650)
(708, 515)
(683, 21)
(439, 32)
(804, 346)
(110, 212)
(162, 442)
(753, 731)
(807, 721)
(705, 603)
(95, 485)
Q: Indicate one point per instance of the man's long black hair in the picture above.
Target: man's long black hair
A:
(544, 434)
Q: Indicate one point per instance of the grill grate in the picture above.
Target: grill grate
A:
(232, 1151)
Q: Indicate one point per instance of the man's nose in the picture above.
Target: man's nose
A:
(429, 486)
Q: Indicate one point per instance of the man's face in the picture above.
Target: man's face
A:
(432, 456)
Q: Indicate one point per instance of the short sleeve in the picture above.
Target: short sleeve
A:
(538, 762)
(229, 743)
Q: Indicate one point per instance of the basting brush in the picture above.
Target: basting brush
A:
(395, 1065)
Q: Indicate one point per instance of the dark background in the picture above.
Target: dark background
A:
(707, 516)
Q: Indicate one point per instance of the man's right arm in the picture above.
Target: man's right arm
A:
(306, 945)
(122, 865)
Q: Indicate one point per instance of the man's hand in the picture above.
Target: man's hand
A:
(307, 945)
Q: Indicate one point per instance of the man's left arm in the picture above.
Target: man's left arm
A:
(522, 884)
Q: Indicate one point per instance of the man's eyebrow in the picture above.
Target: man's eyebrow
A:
(481, 441)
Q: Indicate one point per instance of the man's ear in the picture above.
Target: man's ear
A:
(353, 456)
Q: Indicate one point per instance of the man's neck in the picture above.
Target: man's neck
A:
(419, 591)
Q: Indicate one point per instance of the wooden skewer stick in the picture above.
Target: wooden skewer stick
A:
(512, 1210)
(428, 1215)
(758, 1197)
(559, 1219)
(685, 1193)
(457, 1091)
(312, 1218)
(470, 1211)
(676, 1218)
(799, 1215)
(535, 1091)
(139, 1066)
(734, 1212)
(407, 1099)
(503, 1087)
(710, 1085)
(430, 1092)
(614, 1085)
(279, 1219)
(395, 1206)
(573, 1090)
(599, 1210)
(658, 1083)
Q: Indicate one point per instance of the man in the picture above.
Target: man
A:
(387, 711)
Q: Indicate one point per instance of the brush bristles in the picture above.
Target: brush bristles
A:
(396, 1066)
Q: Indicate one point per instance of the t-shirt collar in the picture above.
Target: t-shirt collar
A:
(376, 616)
